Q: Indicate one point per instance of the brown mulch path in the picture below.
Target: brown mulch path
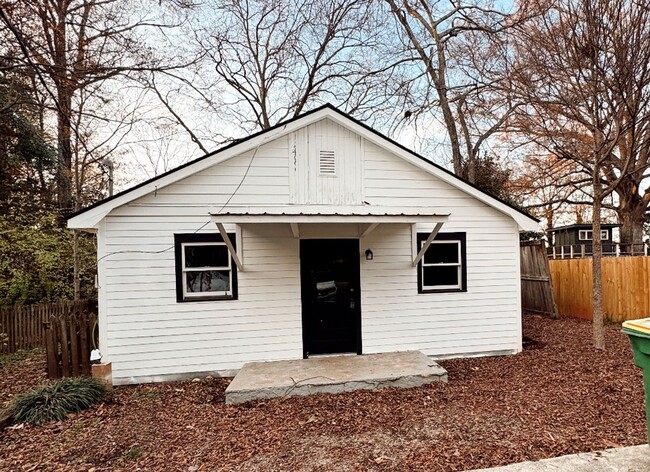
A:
(559, 396)
(20, 372)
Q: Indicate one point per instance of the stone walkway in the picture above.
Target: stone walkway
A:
(333, 374)
(624, 459)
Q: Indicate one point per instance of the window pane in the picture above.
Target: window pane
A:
(442, 253)
(208, 281)
(206, 256)
(442, 275)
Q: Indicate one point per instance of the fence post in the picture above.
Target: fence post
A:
(51, 348)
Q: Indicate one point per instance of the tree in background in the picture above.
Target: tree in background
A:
(549, 186)
(582, 70)
(623, 60)
(74, 48)
(36, 257)
(463, 56)
(277, 59)
(26, 158)
(35, 252)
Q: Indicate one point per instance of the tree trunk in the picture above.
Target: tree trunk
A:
(64, 163)
(471, 169)
(631, 217)
(75, 264)
(440, 84)
(596, 260)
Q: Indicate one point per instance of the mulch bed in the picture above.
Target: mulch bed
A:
(20, 372)
(560, 396)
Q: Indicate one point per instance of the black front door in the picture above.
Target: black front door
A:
(331, 311)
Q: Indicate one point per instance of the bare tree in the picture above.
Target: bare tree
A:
(75, 50)
(75, 45)
(278, 58)
(463, 53)
(581, 103)
(548, 185)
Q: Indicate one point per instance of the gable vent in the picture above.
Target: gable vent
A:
(327, 162)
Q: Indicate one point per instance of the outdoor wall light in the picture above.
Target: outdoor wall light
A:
(369, 255)
(95, 356)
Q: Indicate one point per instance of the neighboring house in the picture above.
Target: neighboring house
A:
(576, 240)
(317, 236)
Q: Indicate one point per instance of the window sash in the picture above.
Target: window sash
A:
(185, 270)
(587, 234)
(444, 287)
(458, 264)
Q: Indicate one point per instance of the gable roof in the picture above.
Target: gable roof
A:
(90, 216)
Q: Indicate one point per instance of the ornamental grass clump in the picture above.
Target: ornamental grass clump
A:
(54, 401)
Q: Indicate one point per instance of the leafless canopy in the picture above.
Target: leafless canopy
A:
(278, 58)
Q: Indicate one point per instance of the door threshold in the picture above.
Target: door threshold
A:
(335, 354)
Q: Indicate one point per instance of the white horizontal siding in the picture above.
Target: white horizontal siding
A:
(148, 333)
(260, 177)
(486, 318)
(145, 333)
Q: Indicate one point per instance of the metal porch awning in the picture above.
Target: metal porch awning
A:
(367, 217)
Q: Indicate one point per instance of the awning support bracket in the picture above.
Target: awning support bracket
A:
(231, 248)
(295, 230)
(427, 243)
(369, 229)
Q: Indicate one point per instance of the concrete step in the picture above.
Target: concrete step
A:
(623, 459)
(333, 374)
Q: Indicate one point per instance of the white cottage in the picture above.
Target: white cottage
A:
(317, 236)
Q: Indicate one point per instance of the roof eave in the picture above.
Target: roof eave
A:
(91, 216)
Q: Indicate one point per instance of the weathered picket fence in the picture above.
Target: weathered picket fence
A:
(69, 339)
(21, 327)
(536, 291)
(65, 330)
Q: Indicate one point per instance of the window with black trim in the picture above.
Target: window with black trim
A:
(204, 268)
(444, 265)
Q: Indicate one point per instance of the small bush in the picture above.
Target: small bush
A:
(54, 401)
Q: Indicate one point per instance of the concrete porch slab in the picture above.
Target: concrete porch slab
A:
(333, 374)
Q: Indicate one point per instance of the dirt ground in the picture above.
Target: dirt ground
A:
(559, 396)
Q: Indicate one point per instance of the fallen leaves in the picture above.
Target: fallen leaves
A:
(559, 396)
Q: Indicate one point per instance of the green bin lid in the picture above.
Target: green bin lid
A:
(639, 328)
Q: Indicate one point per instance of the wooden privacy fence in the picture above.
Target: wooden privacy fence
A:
(69, 339)
(22, 327)
(626, 287)
(536, 291)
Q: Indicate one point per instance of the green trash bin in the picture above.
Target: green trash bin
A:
(639, 337)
